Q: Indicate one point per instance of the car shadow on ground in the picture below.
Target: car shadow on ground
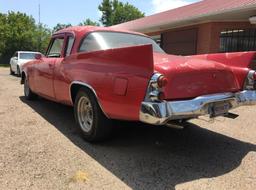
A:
(146, 157)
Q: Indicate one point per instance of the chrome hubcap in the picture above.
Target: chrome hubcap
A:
(85, 114)
(26, 87)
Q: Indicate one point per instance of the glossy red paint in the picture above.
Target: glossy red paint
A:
(120, 77)
(101, 69)
(238, 62)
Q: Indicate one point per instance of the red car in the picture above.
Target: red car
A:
(110, 74)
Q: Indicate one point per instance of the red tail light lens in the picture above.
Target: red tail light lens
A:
(162, 81)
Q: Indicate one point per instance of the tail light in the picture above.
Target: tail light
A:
(155, 89)
(162, 81)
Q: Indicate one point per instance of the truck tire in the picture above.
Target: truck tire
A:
(91, 122)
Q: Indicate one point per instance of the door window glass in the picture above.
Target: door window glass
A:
(70, 41)
(56, 48)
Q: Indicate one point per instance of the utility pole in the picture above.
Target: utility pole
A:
(39, 13)
(39, 26)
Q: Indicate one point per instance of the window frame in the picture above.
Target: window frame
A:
(87, 34)
(67, 36)
(54, 37)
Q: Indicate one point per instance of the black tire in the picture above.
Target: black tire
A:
(11, 72)
(29, 95)
(18, 71)
(100, 127)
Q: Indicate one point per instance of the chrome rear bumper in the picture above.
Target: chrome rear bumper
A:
(159, 113)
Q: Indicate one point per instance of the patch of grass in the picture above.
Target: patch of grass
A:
(4, 65)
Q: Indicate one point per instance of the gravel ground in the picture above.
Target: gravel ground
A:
(41, 150)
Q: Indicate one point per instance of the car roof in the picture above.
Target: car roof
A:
(82, 30)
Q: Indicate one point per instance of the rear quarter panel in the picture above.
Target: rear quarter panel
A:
(239, 62)
(118, 76)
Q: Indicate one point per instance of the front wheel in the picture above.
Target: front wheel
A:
(29, 95)
(91, 121)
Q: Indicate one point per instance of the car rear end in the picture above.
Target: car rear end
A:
(185, 88)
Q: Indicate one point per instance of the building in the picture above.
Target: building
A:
(208, 26)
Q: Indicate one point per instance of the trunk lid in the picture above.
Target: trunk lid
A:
(192, 77)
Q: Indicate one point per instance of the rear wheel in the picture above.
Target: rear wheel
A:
(91, 121)
(29, 95)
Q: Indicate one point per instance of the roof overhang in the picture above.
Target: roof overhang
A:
(193, 14)
(230, 16)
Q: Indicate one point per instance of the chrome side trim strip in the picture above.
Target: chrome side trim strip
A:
(91, 88)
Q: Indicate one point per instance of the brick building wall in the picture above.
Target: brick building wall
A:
(208, 34)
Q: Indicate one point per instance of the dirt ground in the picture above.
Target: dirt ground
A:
(39, 149)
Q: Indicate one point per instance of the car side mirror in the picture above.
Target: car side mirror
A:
(38, 56)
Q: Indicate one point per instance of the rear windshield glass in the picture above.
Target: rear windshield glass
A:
(27, 55)
(109, 40)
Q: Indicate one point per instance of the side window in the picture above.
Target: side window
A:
(89, 44)
(70, 41)
(56, 48)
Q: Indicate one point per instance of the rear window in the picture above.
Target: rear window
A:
(96, 41)
(27, 55)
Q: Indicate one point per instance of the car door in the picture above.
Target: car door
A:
(45, 68)
(61, 78)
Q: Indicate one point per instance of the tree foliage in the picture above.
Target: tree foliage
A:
(60, 26)
(89, 22)
(116, 12)
(19, 31)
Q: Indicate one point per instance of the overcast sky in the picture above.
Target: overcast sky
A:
(74, 11)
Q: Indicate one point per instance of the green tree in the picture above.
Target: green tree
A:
(60, 26)
(42, 35)
(106, 8)
(2, 33)
(89, 22)
(115, 12)
(19, 31)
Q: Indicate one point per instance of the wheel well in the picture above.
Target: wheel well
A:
(23, 76)
(74, 89)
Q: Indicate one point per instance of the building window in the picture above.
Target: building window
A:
(238, 40)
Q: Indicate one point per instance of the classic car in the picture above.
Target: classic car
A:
(20, 58)
(108, 74)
